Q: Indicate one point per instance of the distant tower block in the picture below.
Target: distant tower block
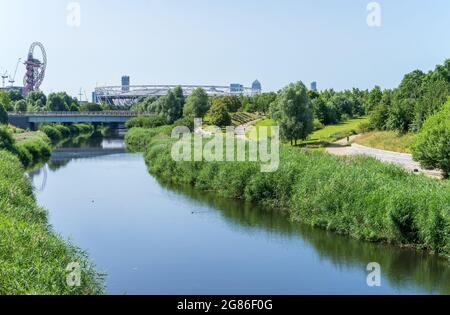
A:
(125, 83)
(256, 87)
(314, 86)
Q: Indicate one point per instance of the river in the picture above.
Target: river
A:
(150, 238)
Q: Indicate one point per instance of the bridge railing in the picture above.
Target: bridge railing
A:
(111, 113)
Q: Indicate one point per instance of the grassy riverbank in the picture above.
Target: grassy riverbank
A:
(33, 259)
(388, 140)
(355, 196)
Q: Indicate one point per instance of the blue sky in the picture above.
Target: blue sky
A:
(224, 41)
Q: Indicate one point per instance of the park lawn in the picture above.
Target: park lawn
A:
(387, 140)
(322, 137)
(339, 131)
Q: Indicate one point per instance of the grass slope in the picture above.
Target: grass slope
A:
(387, 140)
(33, 259)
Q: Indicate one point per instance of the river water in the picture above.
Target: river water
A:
(150, 238)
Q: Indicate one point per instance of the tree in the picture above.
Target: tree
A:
(373, 99)
(233, 103)
(218, 114)
(5, 101)
(7, 141)
(432, 148)
(435, 91)
(56, 103)
(178, 91)
(90, 107)
(293, 111)
(36, 100)
(15, 95)
(411, 85)
(167, 106)
(3, 115)
(197, 104)
(400, 115)
(379, 116)
(20, 106)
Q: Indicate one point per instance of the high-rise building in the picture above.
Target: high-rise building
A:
(125, 83)
(314, 86)
(256, 87)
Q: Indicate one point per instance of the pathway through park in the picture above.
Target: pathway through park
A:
(406, 161)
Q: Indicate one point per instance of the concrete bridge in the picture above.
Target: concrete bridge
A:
(29, 120)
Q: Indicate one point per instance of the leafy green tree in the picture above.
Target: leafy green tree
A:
(218, 114)
(36, 99)
(400, 115)
(373, 98)
(15, 95)
(435, 91)
(179, 95)
(7, 141)
(379, 116)
(56, 103)
(411, 85)
(233, 103)
(3, 115)
(263, 101)
(20, 106)
(167, 106)
(197, 104)
(293, 111)
(146, 122)
(90, 107)
(432, 148)
(5, 101)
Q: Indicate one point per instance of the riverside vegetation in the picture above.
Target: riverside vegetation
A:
(33, 259)
(356, 196)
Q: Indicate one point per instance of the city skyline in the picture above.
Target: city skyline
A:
(170, 42)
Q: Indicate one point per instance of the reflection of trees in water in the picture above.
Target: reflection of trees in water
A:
(90, 141)
(401, 267)
(57, 165)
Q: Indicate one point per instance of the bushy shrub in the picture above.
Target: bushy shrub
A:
(6, 140)
(318, 125)
(65, 131)
(218, 114)
(53, 133)
(146, 122)
(185, 122)
(3, 115)
(432, 148)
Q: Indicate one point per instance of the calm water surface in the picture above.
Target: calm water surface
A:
(154, 239)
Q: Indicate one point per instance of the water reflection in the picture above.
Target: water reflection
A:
(149, 236)
(401, 267)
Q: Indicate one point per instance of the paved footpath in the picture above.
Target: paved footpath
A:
(402, 159)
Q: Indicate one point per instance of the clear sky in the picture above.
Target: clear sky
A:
(223, 41)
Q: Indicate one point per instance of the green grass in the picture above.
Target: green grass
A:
(33, 259)
(323, 136)
(335, 132)
(387, 140)
(356, 196)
